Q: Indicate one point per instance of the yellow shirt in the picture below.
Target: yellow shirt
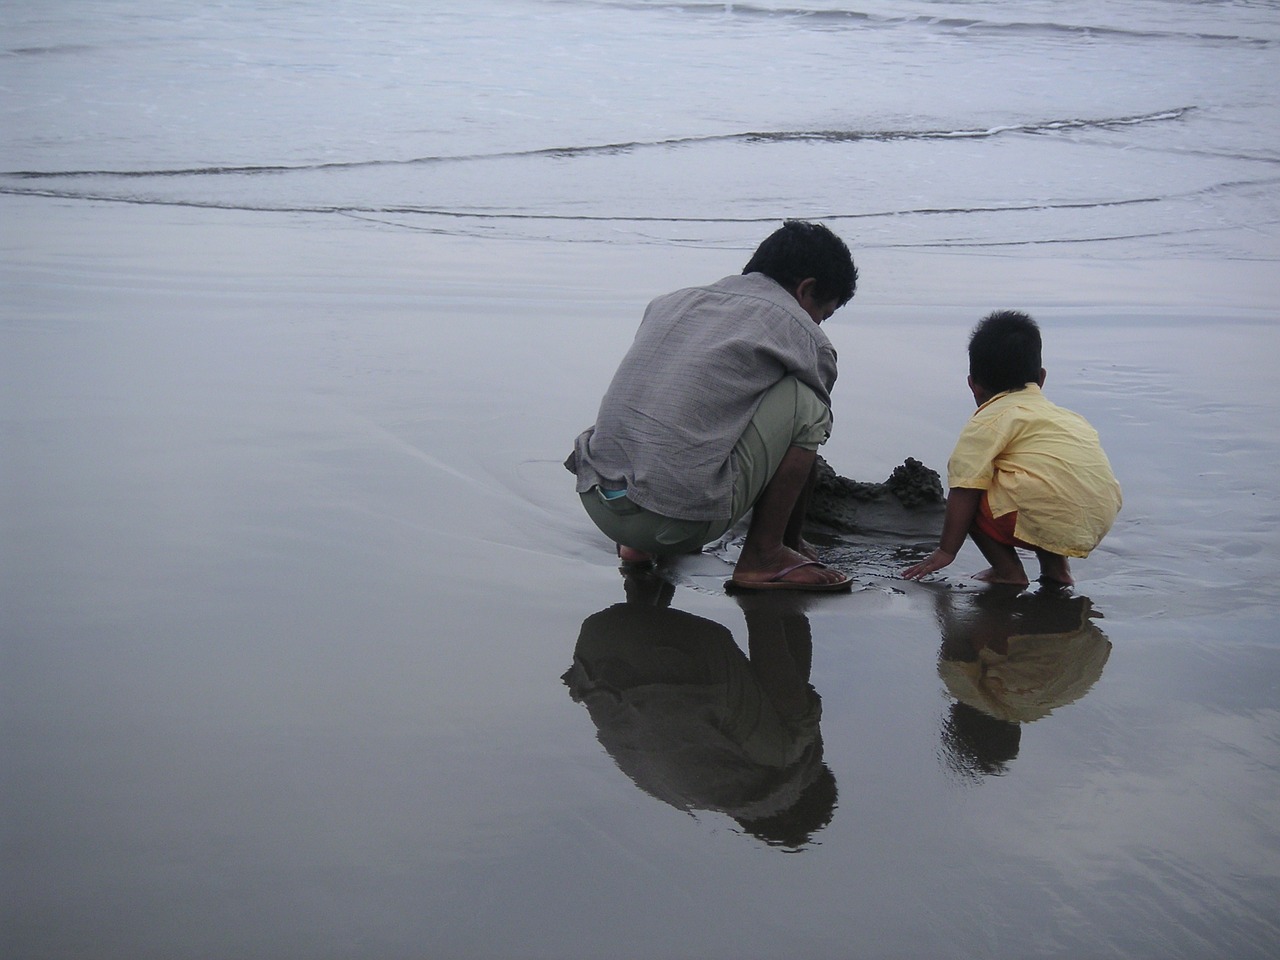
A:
(1045, 462)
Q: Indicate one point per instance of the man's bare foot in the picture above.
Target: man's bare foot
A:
(786, 568)
(804, 548)
(1016, 577)
(630, 555)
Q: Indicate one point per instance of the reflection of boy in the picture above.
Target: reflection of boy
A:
(1010, 657)
(1018, 658)
(1025, 472)
(718, 409)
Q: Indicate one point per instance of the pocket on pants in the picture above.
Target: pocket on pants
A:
(619, 506)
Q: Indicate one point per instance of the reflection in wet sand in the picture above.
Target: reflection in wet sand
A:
(698, 724)
(1008, 658)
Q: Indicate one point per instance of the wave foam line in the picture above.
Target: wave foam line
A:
(756, 136)
(445, 213)
(968, 25)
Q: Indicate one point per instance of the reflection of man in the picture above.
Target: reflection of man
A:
(695, 723)
(1010, 658)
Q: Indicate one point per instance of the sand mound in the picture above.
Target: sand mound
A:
(910, 502)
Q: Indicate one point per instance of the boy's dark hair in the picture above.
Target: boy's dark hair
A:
(798, 250)
(976, 745)
(1004, 351)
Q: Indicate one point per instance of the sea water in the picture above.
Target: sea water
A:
(302, 304)
(1098, 129)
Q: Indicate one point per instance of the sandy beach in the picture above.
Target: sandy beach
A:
(292, 574)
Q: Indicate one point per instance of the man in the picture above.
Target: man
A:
(718, 409)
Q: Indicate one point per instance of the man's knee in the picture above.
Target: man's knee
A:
(789, 415)
(792, 415)
(812, 420)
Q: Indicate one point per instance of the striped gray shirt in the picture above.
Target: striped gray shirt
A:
(686, 390)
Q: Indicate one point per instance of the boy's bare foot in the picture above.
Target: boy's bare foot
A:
(1051, 583)
(1016, 577)
(1054, 568)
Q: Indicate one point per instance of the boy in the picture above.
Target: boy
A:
(1025, 473)
(718, 409)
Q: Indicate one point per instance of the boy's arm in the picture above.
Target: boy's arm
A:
(962, 508)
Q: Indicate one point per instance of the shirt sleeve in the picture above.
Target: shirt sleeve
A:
(806, 355)
(972, 463)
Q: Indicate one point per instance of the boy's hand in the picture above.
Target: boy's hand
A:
(935, 561)
(962, 507)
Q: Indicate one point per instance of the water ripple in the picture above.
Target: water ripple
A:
(1040, 127)
(827, 19)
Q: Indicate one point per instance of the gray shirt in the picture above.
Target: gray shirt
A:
(686, 390)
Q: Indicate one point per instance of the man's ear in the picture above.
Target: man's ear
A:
(804, 288)
(1040, 380)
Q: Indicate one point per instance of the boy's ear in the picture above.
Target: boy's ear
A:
(979, 395)
(1040, 380)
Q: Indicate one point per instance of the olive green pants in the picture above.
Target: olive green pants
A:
(790, 415)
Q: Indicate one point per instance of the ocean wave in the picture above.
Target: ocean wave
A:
(49, 50)
(1245, 226)
(459, 213)
(1180, 232)
(826, 18)
(1038, 127)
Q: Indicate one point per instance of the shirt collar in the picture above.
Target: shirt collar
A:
(1030, 387)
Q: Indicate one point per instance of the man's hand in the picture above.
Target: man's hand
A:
(935, 561)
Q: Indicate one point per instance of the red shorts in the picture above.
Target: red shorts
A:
(999, 529)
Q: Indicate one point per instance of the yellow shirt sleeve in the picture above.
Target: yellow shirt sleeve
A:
(972, 463)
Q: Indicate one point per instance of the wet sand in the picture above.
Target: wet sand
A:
(310, 651)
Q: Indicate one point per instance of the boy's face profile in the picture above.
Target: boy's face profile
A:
(980, 393)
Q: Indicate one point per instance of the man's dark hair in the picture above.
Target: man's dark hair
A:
(798, 250)
(1004, 351)
(794, 828)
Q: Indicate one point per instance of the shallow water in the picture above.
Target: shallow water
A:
(308, 647)
(293, 575)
